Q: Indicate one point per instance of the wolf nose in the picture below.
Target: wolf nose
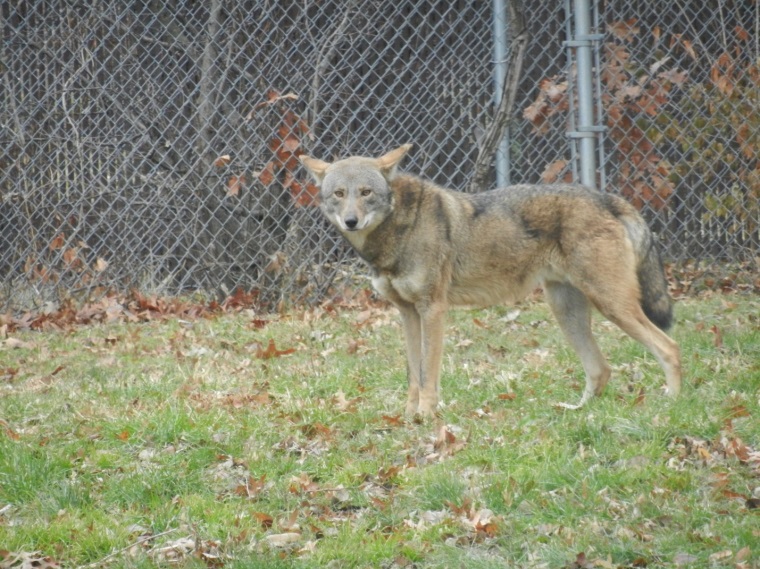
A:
(351, 222)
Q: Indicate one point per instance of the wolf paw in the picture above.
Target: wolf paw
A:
(572, 407)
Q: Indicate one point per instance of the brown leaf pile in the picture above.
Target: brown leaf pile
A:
(26, 560)
(133, 307)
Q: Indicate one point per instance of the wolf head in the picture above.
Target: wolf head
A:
(354, 192)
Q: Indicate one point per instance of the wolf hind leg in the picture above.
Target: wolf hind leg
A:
(631, 319)
(572, 310)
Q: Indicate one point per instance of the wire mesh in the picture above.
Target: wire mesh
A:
(682, 88)
(152, 145)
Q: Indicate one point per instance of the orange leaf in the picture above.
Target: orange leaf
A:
(265, 520)
(552, 171)
(252, 487)
(274, 144)
(724, 85)
(535, 113)
(222, 161)
(258, 323)
(444, 438)
(296, 123)
(13, 435)
(739, 411)
(718, 342)
(303, 195)
(235, 184)
(291, 143)
(284, 130)
(57, 242)
(271, 351)
(731, 495)
(70, 255)
(267, 175)
(624, 30)
(393, 421)
(490, 529)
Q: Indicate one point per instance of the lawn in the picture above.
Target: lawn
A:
(254, 440)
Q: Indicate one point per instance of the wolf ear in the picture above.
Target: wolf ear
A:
(318, 168)
(388, 162)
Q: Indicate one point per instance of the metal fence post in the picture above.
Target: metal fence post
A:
(500, 51)
(586, 131)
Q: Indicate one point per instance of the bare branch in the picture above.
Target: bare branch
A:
(127, 548)
(326, 53)
(208, 79)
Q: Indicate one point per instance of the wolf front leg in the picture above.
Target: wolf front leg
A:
(432, 318)
(410, 320)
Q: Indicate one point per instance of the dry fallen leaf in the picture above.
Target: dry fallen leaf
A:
(271, 351)
(252, 487)
(718, 341)
(343, 404)
(282, 539)
(265, 520)
(15, 344)
(222, 160)
(13, 435)
(721, 555)
(235, 184)
(685, 559)
(101, 264)
(393, 420)
(25, 560)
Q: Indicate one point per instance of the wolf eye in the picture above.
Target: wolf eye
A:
(339, 193)
(365, 192)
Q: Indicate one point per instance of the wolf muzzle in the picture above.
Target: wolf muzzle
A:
(351, 222)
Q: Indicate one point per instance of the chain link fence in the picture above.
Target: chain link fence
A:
(153, 145)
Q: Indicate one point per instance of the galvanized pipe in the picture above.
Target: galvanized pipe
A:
(585, 82)
(500, 52)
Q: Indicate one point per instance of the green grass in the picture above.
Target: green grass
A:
(143, 445)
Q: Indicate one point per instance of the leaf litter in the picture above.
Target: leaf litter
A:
(323, 506)
(26, 560)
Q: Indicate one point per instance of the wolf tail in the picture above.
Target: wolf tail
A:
(655, 299)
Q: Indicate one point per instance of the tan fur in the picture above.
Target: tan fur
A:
(432, 248)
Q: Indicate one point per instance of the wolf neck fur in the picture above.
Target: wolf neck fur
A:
(407, 194)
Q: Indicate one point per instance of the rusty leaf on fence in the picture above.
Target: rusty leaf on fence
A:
(222, 161)
(235, 184)
(553, 171)
(286, 145)
(645, 176)
(57, 242)
(624, 30)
